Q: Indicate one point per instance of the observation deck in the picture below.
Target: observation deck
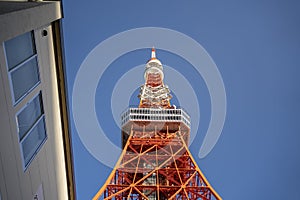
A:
(155, 115)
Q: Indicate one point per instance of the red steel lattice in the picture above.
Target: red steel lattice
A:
(155, 162)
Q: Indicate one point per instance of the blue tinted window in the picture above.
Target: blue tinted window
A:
(29, 115)
(33, 141)
(25, 78)
(19, 49)
(31, 126)
(22, 65)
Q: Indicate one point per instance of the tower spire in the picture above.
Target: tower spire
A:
(154, 93)
(153, 53)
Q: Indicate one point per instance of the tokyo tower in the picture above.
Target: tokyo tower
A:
(155, 162)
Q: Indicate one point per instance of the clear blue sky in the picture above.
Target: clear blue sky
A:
(255, 45)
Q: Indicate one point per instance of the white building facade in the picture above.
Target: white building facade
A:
(35, 150)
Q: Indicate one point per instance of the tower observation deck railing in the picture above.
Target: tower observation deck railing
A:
(155, 114)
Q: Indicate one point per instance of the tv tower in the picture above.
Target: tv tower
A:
(155, 162)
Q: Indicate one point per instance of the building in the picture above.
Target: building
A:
(155, 163)
(35, 149)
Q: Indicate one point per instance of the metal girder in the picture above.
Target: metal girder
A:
(151, 169)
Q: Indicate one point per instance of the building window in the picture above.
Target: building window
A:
(21, 58)
(31, 129)
(23, 73)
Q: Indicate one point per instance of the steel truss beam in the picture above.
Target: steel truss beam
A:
(151, 168)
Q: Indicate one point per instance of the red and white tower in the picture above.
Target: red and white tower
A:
(155, 162)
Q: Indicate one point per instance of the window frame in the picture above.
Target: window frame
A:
(33, 140)
(27, 134)
(19, 65)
